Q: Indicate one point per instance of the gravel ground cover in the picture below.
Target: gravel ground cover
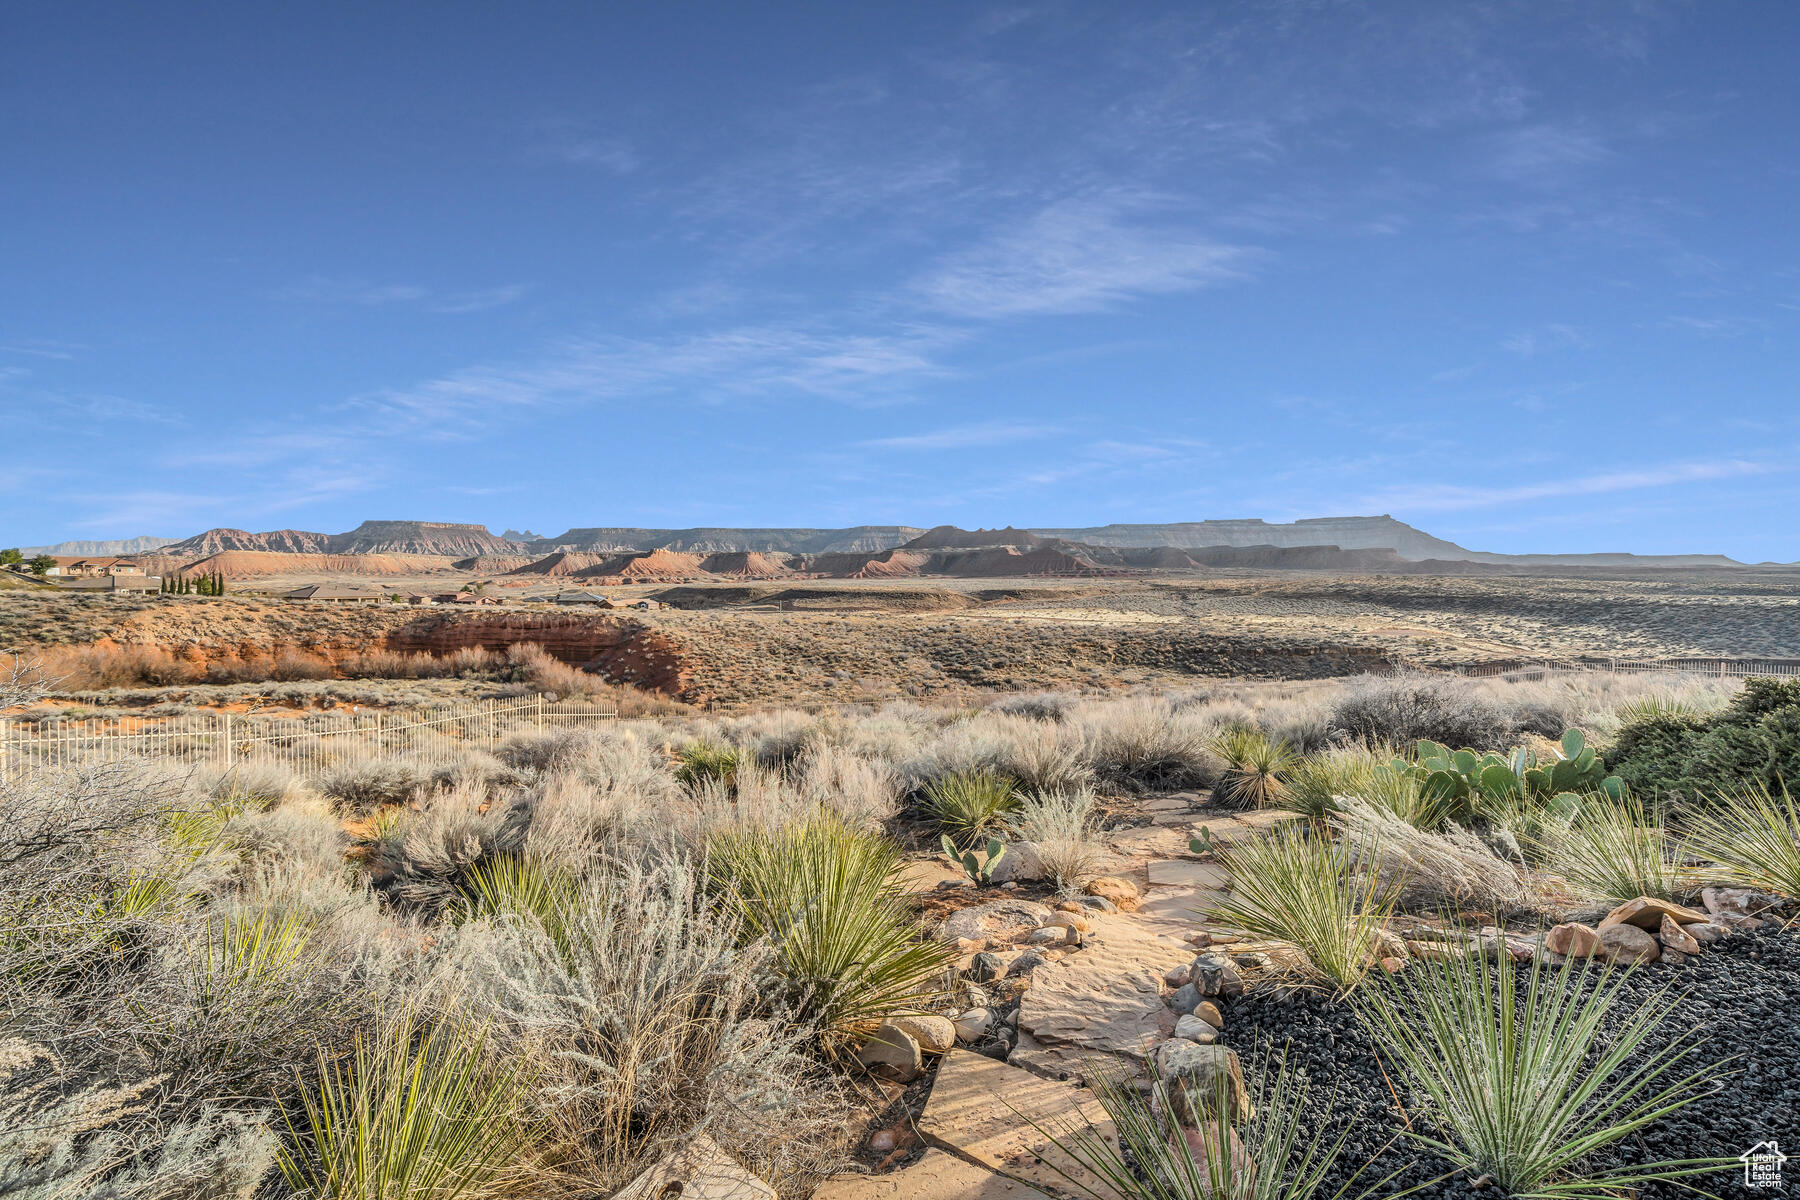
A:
(1739, 998)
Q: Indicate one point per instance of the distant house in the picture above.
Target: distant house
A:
(95, 568)
(328, 591)
(111, 583)
(593, 598)
(646, 605)
(418, 598)
(464, 598)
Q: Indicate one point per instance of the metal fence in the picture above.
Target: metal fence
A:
(1721, 668)
(303, 742)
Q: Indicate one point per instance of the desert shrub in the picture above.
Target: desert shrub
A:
(1036, 706)
(359, 784)
(1613, 850)
(101, 1139)
(709, 762)
(968, 805)
(778, 738)
(1407, 708)
(1310, 891)
(865, 793)
(1431, 871)
(1042, 756)
(421, 1109)
(1254, 766)
(1146, 743)
(1060, 828)
(1755, 740)
(1751, 836)
(644, 1025)
(845, 947)
(259, 785)
(425, 866)
(1524, 1085)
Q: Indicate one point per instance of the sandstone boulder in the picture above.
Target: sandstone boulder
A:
(892, 1053)
(1647, 912)
(1674, 937)
(1573, 940)
(1626, 944)
(934, 1034)
(1121, 892)
(699, 1170)
(1201, 1076)
(996, 919)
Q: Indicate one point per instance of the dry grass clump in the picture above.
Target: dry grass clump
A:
(1449, 869)
(359, 784)
(1406, 708)
(1614, 850)
(1060, 828)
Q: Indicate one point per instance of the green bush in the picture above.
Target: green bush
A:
(704, 761)
(1754, 742)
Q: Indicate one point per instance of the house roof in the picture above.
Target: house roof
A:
(326, 591)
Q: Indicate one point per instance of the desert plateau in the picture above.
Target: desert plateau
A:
(893, 601)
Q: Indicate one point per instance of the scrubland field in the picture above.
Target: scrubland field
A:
(1236, 938)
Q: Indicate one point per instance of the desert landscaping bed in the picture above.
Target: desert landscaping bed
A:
(1737, 1001)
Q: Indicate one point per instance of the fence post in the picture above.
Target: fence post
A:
(229, 749)
(540, 712)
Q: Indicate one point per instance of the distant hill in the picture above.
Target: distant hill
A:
(1366, 543)
(100, 549)
(421, 537)
(860, 539)
(279, 541)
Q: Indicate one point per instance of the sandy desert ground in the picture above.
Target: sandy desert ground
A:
(828, 641)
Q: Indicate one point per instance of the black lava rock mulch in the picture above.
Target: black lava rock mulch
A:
(1740, 998)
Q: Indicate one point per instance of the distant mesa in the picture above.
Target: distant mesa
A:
(115, 548)
(601, 555)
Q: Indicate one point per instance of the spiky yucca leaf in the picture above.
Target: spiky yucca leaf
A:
(1613, 850)
(1277, 1155)
(1305, 889)
(967, 804)
(824, 897)
(1255, 764)
(418, 1113)
(1753, 835)
(1525, 1086)
(703, 761)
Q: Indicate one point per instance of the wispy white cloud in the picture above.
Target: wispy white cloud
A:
(1449, 497)
(1545, 339)
(962, 437)
(749, 361)
(319, 289)
(1544, 153)
(1078, 255)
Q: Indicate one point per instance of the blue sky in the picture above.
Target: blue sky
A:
(1523, 275)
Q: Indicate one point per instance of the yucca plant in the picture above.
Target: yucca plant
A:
(969, 804)
(1301, 888)
(1523, 1085)
(523, 886)
(1277, 1155)
(1315, 783)
(420, 1112)
(1753, 836)
(1402, 794)
(1613, 849)
(703, 761)
(1254, 766)
(844, 942)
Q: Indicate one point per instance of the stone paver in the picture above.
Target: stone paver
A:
(991, 1114)
(1187, 873)
(1108, 997)
(937, 1176)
